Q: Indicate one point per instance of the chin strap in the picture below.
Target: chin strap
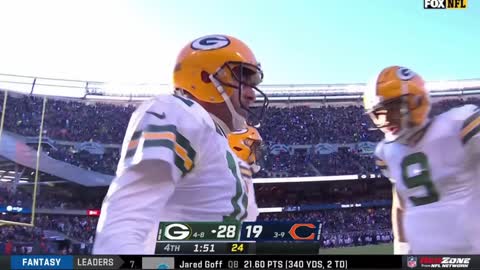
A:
(222, 124)
(238, 121)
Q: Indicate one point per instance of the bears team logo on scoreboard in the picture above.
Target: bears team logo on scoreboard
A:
(445, 4)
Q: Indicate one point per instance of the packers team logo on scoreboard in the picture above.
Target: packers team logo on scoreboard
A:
(445, 4)
(203, 231)
(177, 231)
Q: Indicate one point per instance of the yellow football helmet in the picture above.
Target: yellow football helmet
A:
(402, 89)
(212, 67)
(247, 145)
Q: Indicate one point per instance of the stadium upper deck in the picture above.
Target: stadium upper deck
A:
(93, 90)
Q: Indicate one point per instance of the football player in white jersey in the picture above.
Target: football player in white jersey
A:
(176, 163)
(433, 165)
(246, 144)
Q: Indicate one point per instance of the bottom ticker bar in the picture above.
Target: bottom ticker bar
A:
(272, 262)
(211, 261)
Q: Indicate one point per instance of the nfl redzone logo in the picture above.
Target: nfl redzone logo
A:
(444, 4)
(444, 262)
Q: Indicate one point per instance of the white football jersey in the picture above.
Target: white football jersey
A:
(438, 179)
(247, 174)
(208, 181)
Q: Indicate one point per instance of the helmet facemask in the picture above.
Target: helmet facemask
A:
(394, 116)
(256, 154)
(237, 75)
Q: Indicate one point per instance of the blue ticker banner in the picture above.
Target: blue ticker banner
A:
(50, 262)
(14, 209)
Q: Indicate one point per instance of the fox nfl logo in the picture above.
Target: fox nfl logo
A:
(445, 4)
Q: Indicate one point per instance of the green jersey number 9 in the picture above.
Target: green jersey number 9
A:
(419, 178)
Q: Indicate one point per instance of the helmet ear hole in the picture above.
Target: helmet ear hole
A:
(237, 148)
(418, 100)
(205, 77)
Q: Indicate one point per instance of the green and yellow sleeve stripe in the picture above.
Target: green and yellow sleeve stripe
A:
(166, 136)
(246, 172)
(471, 127)
(380, 164)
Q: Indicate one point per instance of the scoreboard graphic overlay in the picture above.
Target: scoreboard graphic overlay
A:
(236, 238)
(250, 245)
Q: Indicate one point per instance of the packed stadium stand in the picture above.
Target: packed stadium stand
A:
(80, 143)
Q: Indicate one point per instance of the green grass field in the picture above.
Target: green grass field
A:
(383, 249)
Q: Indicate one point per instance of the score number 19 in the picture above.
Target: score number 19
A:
(255, 229)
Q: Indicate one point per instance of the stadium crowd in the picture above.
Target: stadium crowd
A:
(76, 234)
(71, 121)
(76, 198)
(78, 122)
(328, 124)
(66, 120)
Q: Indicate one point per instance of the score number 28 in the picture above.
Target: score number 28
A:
(226, 231)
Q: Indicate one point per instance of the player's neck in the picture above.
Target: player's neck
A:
(417, 133)
(221, 124)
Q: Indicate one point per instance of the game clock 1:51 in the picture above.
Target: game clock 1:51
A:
(204, 248)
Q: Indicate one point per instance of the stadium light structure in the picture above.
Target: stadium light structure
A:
(95, 90)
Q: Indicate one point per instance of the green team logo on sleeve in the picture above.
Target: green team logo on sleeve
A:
(419, 175)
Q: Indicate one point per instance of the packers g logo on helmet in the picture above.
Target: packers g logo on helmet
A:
(212, 42)
(405, 74)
